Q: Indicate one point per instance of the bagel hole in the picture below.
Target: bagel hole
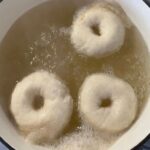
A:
(95, 29)
(106, 103)
(38, 102)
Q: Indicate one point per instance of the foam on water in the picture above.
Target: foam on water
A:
(84, 138)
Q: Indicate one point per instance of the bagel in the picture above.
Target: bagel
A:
(107, 103)
(45, 123)
(97, 31)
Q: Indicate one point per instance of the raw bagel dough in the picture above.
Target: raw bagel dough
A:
(99, 89)
(110, 28)
(44, 124)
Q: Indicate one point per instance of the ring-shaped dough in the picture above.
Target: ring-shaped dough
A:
(47, 122)
(122, 108)
(110, 27)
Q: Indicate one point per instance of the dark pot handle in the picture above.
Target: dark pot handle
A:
(147, 2)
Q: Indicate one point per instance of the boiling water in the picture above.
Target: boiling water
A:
(41, 40)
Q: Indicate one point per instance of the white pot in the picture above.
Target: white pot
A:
(138, 12)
